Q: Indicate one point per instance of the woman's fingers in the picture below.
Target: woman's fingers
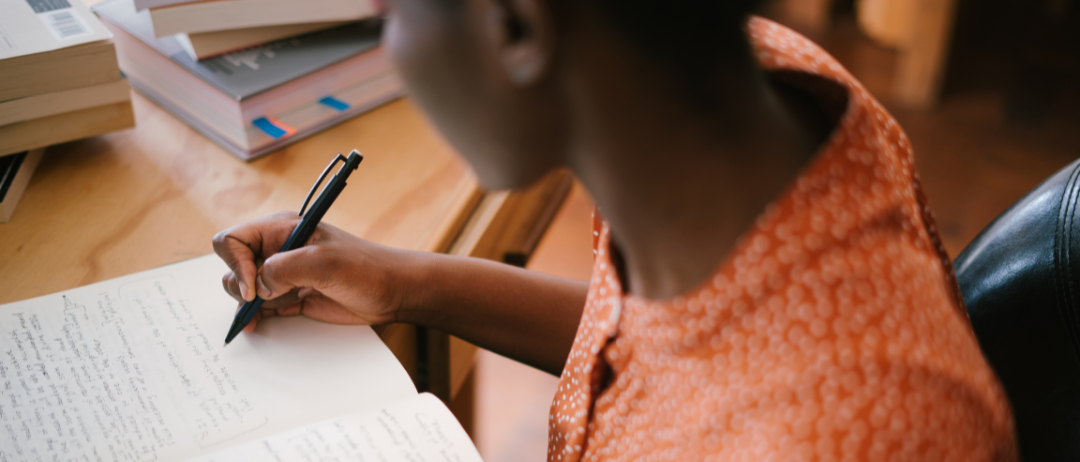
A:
(283, 300)
(254, 321)
(242, 245)
(315, 280)
(241, 261)
(294, 307)
(286, 272)
(229, 282)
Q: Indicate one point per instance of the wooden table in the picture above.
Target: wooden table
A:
(125, 202)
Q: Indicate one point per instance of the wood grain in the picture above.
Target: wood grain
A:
(129, 201)
(125, 202)
(121, 203)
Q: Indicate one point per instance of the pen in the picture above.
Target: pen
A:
(303, 230)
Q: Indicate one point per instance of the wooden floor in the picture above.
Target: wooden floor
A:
(974, 164)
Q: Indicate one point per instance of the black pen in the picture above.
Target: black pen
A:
(304, 229)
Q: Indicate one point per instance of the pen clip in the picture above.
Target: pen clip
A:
(322, 177)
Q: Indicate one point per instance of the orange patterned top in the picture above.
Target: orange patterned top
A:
(834, 330)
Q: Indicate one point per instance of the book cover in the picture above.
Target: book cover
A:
(36, 26)
(219, 15)
(15, 173)
(209, 44)
(246, 73)
(263, 144)
(9, 167)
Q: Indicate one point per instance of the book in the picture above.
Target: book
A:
(15, 173)
(256, 101)
(216, 15)
(133, 369)
(204, 45)
(37, 106)
(64, 127)
(41, 41)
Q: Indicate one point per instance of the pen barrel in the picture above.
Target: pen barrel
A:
(243, 318)
(248, 311)
(303, 231)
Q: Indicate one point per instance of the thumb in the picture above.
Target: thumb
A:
(241, 260)
(286, 271)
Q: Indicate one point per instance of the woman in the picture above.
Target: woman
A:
(768, 282)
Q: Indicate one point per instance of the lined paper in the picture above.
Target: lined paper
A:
(133, 369)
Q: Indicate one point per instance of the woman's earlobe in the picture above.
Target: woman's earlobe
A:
(522, 34)
(524, 67)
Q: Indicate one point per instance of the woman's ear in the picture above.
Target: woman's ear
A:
(521, 34)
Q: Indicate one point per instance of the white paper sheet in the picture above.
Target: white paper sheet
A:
(420, 429)
(133, 369)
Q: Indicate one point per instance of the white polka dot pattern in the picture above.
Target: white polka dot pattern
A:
(833, 332)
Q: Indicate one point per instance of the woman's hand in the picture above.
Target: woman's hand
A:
(336, 278)
(342, 279)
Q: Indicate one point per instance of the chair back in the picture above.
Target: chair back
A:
(1021, 283)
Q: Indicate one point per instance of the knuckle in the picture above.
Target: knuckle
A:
(322, 233)
(317, 253)
(269, 270)
(274, 272)
(219, 238)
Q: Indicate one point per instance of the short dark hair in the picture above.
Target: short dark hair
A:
(681, 27)
(696, 38)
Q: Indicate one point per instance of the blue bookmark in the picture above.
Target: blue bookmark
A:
(335, 103)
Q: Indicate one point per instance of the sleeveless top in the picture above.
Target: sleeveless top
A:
(833, 331)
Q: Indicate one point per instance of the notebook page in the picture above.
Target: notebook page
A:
(420, 429)
(134, 369)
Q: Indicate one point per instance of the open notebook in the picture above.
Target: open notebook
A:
(133, 369)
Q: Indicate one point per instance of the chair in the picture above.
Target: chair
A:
(1020, 279)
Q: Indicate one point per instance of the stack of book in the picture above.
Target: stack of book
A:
(59, 82)
(254, 75)
(15, 172)
(210, 28)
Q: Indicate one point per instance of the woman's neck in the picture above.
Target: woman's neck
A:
(678, 188)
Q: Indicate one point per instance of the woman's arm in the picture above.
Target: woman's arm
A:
(340, 278)
(524, 315)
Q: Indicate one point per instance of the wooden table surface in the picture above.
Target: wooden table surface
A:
(132, 200)
(129, 201)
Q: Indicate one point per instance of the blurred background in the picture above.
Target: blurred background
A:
(987, 90)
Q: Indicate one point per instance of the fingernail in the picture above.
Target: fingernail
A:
(261, 288)
(303, 293)
(244, 291)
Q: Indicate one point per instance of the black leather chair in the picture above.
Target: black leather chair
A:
(1021, 282)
